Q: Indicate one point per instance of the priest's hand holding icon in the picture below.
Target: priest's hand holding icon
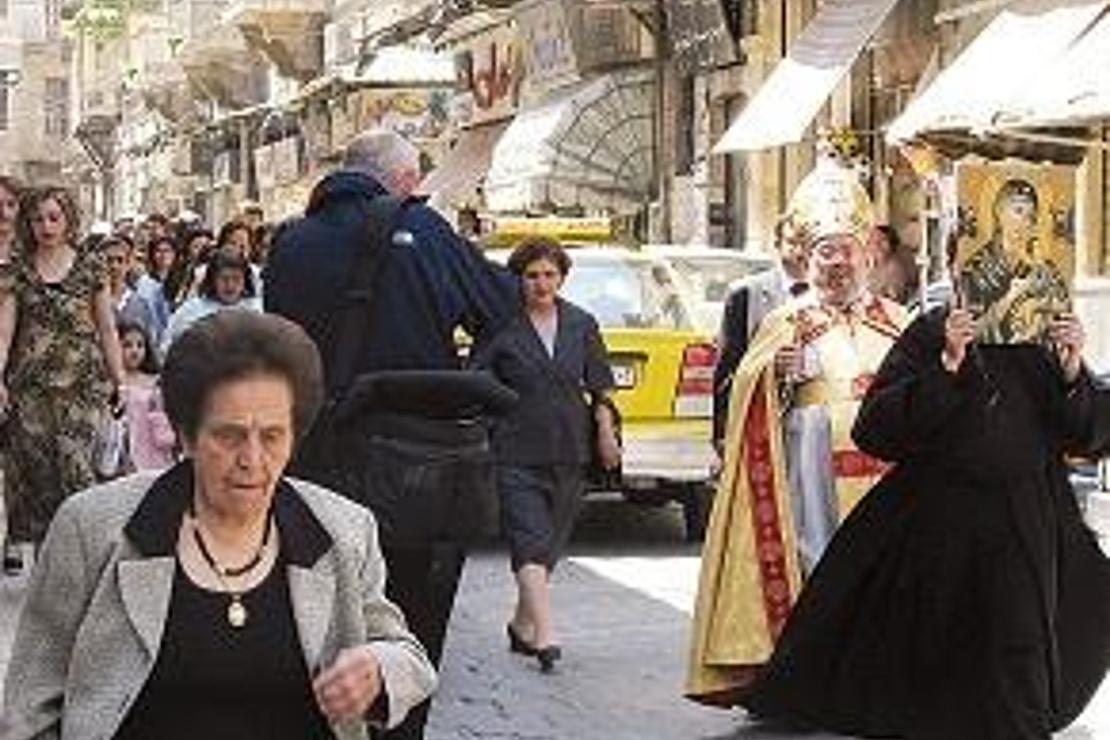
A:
(959, 333)
(1067, 337)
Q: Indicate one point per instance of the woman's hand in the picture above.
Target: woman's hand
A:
(608, 448)
(1067, 338)
(348, 688)
(959, 332)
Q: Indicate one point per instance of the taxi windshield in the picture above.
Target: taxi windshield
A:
(627, 294)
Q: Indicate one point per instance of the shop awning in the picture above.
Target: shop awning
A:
(409, 66)
(996, 67)
(590, 148)
(1074, 90)
(457, 179)
(785, 106)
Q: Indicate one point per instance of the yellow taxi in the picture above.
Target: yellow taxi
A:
(663, 367)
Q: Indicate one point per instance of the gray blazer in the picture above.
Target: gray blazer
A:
(99, 596)
(550, 423)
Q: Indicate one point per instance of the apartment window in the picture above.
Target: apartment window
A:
(56, 106)
(53, 18)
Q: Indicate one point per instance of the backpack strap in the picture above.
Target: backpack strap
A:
(353, 318)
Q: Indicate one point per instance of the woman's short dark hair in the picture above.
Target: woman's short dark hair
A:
(235, 345)
(149, 364)
(152, 247)
(539, 248)
(230, 228)
(29, 205)
(226, 259)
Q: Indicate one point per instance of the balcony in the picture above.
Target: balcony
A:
(290, 33)
(165, 88)
(224, 67)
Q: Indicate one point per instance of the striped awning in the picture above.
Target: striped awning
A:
(457, 180)
(982, 87)
(784, 107)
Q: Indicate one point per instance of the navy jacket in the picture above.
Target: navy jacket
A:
(551, 423)
(429, 284)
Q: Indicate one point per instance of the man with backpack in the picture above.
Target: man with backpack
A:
(382, 283)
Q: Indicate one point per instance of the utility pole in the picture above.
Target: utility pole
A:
(664, 162)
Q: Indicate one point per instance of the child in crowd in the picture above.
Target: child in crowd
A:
(148, 438)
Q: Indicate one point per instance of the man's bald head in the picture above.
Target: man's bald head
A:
(387, 157)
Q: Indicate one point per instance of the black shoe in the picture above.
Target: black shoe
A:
(13, 564)
(518, 644)
(548, 656)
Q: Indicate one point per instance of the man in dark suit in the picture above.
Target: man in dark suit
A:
(415, 440)
(750, 299)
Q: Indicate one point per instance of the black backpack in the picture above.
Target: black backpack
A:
(319, 454)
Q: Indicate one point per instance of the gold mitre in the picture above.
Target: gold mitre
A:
(830, 201)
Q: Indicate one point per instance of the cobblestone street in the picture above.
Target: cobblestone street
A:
(622, 601)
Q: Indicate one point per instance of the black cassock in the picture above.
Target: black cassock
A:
(963, 599)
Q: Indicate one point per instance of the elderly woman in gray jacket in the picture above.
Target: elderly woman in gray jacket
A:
(218, 599)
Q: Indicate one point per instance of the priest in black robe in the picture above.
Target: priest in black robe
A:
(964, 598)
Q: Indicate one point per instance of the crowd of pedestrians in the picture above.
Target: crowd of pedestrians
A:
(867, 544)
(127, 367)
(86, 316)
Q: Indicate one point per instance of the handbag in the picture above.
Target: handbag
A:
(110, 447)
(413, 493)
(598, 476)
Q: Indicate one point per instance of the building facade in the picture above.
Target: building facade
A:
(34, 89)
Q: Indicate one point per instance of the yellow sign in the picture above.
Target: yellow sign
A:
(507, 231)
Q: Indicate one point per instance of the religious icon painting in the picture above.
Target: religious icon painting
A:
(1015, 259)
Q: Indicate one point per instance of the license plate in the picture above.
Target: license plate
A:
(624, 376)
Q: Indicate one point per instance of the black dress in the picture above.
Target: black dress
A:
(963, 599)
(219, 682)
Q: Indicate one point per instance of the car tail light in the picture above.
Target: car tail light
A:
(694, 395)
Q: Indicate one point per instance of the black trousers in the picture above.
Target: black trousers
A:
(422, 582)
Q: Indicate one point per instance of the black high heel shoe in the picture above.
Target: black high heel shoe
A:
(518, 644)
(548, 657)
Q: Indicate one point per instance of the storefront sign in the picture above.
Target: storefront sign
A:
(490, 72)
(699, 35)
(277, 163)
(415, 114)
(549, 51)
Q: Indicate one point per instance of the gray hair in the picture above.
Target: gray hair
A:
(382, 154)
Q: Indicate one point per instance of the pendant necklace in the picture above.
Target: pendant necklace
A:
(236, 610)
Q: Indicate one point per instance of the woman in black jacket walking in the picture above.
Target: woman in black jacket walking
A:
(552, 355)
